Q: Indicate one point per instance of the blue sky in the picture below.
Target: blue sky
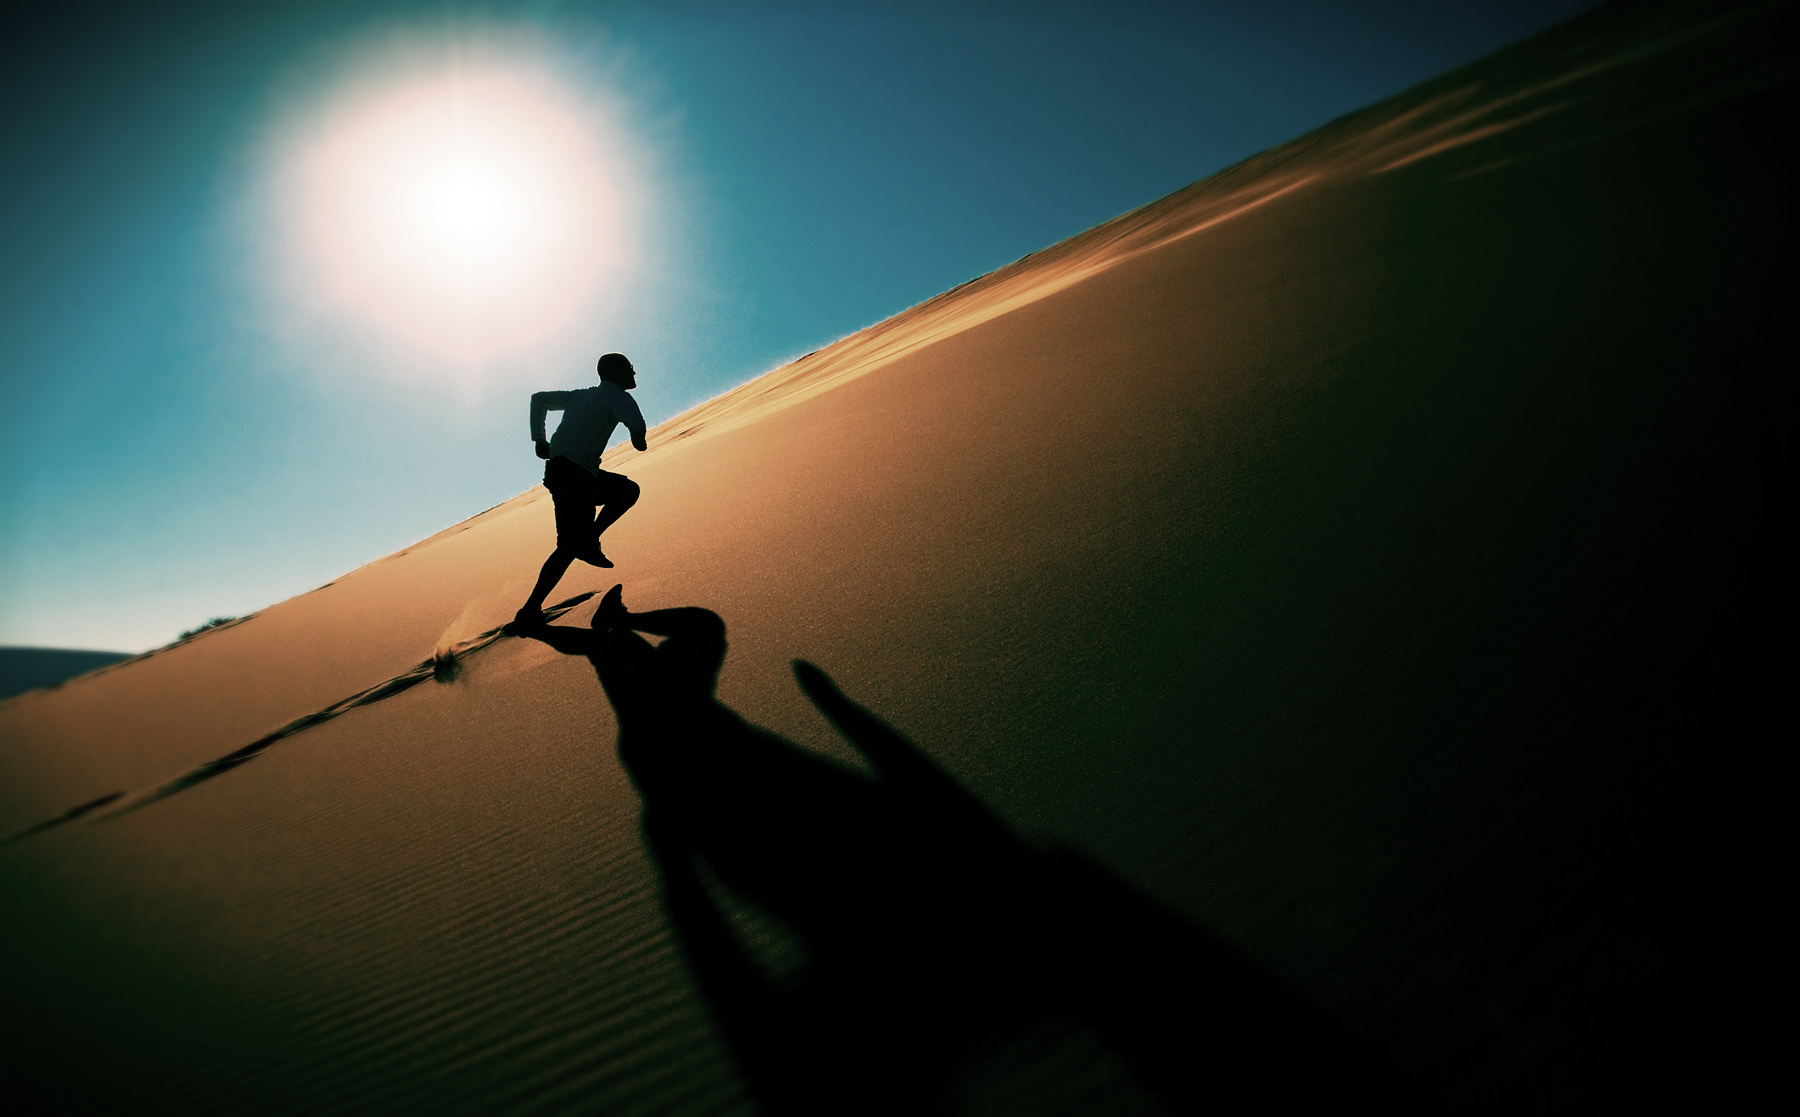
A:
(184, 437)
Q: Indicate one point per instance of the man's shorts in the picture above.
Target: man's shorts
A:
(576, 493)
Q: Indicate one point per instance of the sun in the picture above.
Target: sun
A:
(473, 211)
(464, 203)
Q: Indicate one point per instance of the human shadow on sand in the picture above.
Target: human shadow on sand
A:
(931, 932)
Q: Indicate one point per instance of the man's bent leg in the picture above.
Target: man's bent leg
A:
(618, 493)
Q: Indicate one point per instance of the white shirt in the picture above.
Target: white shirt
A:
(589, 417)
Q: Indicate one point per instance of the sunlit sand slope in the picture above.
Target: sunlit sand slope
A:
(1374, 552)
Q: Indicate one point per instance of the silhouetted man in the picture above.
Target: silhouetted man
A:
(588, 499)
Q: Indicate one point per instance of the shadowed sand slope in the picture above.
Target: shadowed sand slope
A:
(1377, 555)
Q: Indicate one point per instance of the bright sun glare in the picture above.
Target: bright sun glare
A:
(461, 203)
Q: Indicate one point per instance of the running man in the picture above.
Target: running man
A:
(572, 472)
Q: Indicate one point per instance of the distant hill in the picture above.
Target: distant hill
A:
(23, 669)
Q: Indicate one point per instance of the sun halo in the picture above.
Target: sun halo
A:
(457, 210)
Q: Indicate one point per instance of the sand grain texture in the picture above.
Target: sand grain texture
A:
(1371, 552)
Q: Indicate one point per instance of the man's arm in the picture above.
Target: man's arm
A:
(541, 403)
(626, 410)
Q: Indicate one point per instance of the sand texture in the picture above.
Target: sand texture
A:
(1369, 567)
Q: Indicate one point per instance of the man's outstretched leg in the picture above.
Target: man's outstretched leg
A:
(532, 612)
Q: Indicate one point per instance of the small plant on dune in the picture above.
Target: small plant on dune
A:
(213, 623)
(445, 666)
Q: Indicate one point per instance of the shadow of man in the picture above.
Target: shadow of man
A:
(931, 930)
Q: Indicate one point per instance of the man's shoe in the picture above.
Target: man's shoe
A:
(526, 618)
(596, 557)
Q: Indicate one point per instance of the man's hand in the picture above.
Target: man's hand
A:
(543, 449)
(638, 441)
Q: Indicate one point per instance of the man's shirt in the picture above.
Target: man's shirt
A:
(589, 418)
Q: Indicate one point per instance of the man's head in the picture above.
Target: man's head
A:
(615, 367)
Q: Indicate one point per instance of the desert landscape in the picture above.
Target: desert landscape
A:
(1348, 603)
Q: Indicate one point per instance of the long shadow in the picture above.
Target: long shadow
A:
(929, 928)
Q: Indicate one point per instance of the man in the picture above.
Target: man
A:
(572, 472)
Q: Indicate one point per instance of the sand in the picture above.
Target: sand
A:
(1374, 554)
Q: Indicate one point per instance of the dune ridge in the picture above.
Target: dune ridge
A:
(1434, 118)
(1439, 116)
(443, 666)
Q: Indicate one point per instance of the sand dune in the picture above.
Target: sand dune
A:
(1376, 554)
